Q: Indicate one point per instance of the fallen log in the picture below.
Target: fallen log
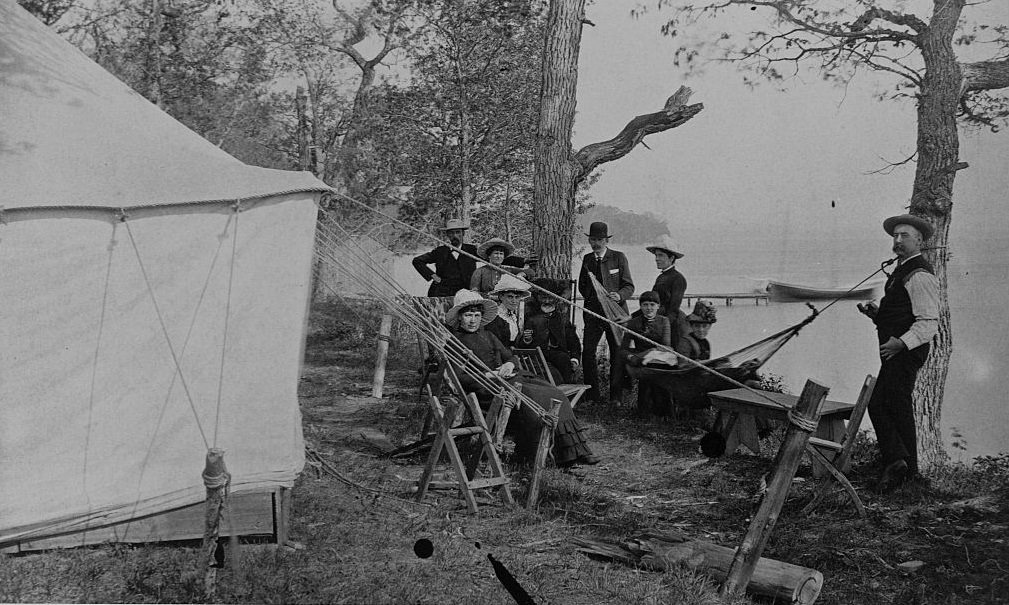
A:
(779, 580)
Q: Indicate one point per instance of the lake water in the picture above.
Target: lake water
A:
(839, 348)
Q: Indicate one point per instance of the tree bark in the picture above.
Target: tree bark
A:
(554, 175)
(559, 171)
(938, 149)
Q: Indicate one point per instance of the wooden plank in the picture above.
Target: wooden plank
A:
(758, 401)
(251, 514)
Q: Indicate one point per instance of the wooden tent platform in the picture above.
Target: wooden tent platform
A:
(257, 514)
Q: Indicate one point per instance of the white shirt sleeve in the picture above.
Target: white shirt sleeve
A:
(923, 288)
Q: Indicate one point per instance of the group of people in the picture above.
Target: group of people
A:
(906, 321)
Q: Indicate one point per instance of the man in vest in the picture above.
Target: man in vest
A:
(452, 270)
(612, 270)
(906, 319)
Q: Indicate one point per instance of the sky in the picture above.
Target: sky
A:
(760, 156)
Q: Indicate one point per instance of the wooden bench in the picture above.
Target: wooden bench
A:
(534, 362)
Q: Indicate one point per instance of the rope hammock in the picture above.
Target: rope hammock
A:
(690, 386)
(337, 247)
(611, 308)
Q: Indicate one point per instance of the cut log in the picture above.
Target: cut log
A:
(784, 582)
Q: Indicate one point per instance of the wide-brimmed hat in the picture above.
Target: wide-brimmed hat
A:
(510, 283)
(454, 223)
(483, 251)
(467, 298)
(665, 243)
(599, 229)
(649, 296)
(923, 226)
(704, 313)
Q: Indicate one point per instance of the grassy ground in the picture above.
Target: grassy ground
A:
(356, 525)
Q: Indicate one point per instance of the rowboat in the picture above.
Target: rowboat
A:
(784, 292)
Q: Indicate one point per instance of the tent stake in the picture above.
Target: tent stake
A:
(383, 353)
(216, 479)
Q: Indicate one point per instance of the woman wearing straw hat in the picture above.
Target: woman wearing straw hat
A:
(510, 292)
(494, 251)
(468, 318)
(670, 285)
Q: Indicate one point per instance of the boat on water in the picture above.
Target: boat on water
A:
(784, 292)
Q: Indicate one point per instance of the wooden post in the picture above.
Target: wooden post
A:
(216, 480)
(546, 442)
(802, 422)
(383, 353)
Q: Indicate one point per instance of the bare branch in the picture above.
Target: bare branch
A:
(675, 113)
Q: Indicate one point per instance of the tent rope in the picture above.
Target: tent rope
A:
(227, 316)
(378, 282)
(164, 329)
(175, 375)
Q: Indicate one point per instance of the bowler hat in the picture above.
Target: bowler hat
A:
(924, 227)
(454, 223)
(649, 296)
(665, 243)
(599, 229)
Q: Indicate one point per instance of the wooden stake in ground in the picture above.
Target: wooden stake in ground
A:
(216, 479)
(802, 422)
(383, 353)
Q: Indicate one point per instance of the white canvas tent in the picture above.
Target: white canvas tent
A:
(154, 292)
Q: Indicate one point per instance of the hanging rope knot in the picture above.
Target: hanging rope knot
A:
(122, 215)
(216, 481)
(804, 423)
(237, 206)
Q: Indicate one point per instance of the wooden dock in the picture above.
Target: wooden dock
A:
(727, 298)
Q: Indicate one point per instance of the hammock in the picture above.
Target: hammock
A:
(611, 309)
(690, 386)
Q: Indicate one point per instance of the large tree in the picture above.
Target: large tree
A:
(919, 50)
(559, 168)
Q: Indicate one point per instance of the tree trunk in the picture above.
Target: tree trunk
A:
(938, 149)
(554, 177)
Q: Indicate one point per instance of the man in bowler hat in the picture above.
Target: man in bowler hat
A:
(452, 269)
(612, 270)
(906, 319)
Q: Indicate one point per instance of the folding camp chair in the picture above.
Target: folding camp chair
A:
(835, 455)
(534, 362)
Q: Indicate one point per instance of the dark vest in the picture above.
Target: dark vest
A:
(895, 316)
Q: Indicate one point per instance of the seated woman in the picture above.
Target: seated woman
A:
(551, 331)
(510, 292)
(494, 252)
(467, 319)
(633, 348)
(695, 343)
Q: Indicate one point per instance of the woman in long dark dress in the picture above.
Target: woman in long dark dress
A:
(467, 318)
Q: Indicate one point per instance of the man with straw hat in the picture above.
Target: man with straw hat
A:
(906, 319)
(510, 292)
(670, 285)
(452, 269)
(610, 267)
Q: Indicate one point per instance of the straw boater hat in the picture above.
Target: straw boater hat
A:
(704, 313)
(510, 283)
(923, 226)
(454, 223)
(665, 243)
(495, 242)
(467, 298)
